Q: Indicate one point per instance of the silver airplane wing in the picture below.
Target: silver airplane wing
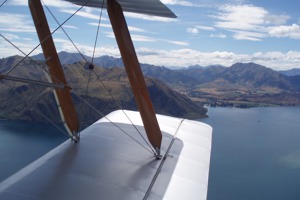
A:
(108, 164)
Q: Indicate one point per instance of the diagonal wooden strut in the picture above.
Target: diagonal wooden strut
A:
(134, 73)
(64, 99)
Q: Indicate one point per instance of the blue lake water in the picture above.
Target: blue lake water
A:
(255, 152)
(21, 143)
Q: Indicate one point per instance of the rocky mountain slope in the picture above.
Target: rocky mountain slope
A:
(242, 84)
(108, 90)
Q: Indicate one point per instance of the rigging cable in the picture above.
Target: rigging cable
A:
(3, 3)
(125, 114)
(92, 63)
(27, 55)
(75, 46)
(48, 119)
(43, 115)
(31, 59)
(86, 94)
(64, 32)
(37, 110)
(116, 125)
(60, 26)
(97, 34)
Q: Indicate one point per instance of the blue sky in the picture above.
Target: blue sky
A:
(206, 32)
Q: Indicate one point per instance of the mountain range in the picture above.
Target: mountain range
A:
(241, 85)
(177, 92)
(106, 89)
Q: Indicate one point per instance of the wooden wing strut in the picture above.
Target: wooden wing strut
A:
(63, 96)
(134, 73)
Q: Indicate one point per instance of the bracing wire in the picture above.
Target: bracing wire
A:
(95, 44)
(27, 55)
(116, 125)
(75, 46)
(38, 111)
(48, 119)
(91, 66)
(125, 113)
(3, 3)
(97, 34)
(43, 115)
(73, 43)
(86, 93)
(60, 26)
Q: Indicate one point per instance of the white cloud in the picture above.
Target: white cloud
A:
(248, 35)
(131, 28)
(102, 24)
(16, 23)
(269, 56)
(7, 49)
(134, 37)
(276, 19)
(278, 60)
(110, 35)
(242, 22)
(292, 31)
(189, 57)
(220, 35)
(141, 38)
(89, 50)
(136, 29)
(241, 17)
(59, 40)
(66, 45)
(70, 27)
(53, 3)
(206, 28)
(248, 22)
(180, 43)
(177, 2)
(10, 36)
(180, 57)
(83, 14)
(173, 58)
(186, 57)
(192, 30)
(191, 3)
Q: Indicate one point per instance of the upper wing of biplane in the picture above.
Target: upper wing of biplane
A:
(150, 7)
